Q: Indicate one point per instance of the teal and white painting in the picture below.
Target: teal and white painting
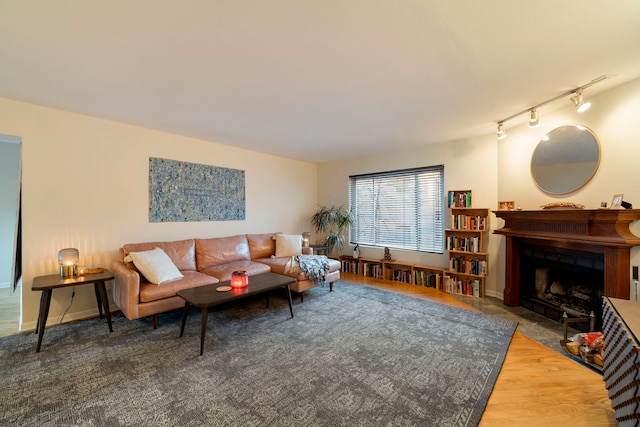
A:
(184, 192)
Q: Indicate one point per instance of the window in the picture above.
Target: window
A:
(399, 209)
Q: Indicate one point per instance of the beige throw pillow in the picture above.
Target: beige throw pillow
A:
(288, 245)
(155, 265)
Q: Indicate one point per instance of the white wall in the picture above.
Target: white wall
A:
(85, 185)
(468, 164)
(9, 184)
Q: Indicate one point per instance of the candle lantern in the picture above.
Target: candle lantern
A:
(68, 259)
(306, 237)
(239, 279)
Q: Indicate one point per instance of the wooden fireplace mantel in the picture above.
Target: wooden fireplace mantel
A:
(604, 231)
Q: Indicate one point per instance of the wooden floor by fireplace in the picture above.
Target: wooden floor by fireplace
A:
(537, 385)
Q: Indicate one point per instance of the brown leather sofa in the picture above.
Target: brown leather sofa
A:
(202, 262)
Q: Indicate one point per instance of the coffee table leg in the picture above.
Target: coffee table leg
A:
(45, 301)
(102, 292)
(290, 302)
(203, 328)
(184, 317)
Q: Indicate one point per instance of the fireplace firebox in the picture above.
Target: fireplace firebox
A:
(554, 281)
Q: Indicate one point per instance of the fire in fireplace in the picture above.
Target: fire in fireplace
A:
(556, 280)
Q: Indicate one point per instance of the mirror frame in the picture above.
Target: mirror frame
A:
(544, 144)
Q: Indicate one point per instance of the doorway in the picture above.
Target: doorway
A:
(10, 231)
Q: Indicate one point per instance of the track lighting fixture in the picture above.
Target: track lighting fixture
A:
(501, 132)
(576, 98)
(534, 121)
(578, 101)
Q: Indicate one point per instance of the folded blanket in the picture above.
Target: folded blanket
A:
(315, 267)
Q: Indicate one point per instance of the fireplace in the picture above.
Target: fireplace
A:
(576, 256)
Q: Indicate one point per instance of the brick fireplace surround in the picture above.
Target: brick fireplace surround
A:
(601, 231)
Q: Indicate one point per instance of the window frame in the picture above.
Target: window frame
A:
(413, 191)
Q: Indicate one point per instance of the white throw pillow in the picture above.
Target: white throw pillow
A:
(288, 245)
(155, 265)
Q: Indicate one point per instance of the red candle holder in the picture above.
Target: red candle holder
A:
(239, 279)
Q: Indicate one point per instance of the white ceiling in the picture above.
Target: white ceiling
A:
(314, 80)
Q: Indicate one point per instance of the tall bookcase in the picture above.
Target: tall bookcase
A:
(466, 246)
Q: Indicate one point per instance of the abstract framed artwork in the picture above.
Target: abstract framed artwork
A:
(186, 192)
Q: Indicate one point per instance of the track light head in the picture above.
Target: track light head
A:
(501, 132)
(579, 102)
(534, 121)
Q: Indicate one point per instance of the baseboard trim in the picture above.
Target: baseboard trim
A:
(494, 294)
(68, 318)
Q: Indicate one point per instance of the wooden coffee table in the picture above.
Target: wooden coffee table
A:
(207, 296)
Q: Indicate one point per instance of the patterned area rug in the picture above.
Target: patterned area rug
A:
(356, 356)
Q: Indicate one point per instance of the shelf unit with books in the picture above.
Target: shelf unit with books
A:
(465, 244)
(459, 199)
(429, 277)
(367, 267)
(395, 271)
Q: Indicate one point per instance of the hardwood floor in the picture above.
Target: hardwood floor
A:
(9, 311)
(536, 386)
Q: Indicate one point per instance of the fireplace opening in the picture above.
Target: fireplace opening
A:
(556, 280)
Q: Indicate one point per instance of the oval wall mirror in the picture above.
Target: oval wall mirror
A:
(565, 159)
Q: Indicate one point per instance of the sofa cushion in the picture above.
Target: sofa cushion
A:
(278, 266)
(150, 292)
(155, 265)
(223, 272)
(221, 250)
(181, 252)
(261, 245)
(288, 245)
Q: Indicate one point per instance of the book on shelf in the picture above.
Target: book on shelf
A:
(464, 244)
(401, 275)
(468, 266)
(428, 279)
(469, 222)
(454, 285)
(476, 288)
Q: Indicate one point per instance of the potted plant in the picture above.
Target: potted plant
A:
(333, 222)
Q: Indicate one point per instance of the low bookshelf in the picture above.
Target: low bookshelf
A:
(394, 271)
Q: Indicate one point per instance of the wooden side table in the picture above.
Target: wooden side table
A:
(319, 249)
(47, 284)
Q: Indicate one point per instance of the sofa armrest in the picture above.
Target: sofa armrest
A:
(126, 289)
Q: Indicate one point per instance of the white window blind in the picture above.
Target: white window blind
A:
(399, 209)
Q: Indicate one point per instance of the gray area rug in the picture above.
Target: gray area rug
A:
(356, 356)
